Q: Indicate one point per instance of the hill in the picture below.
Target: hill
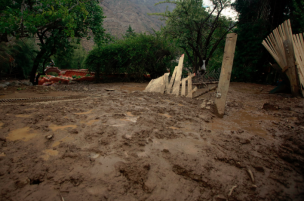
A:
(122, 13)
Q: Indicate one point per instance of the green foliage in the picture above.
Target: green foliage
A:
(196, 29)
(257, 19)
(130, 32)
(17, 58)
(136, 55)
(54, 22)
(71, 58)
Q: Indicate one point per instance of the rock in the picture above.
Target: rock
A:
(72, 82)
(3, 85)
(15, 83)
(204, 104)
(85, 89)
(2, 155)
(26, 83)
(208, 107)
(49, 137)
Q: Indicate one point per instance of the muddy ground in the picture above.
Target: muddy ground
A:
(130, 145)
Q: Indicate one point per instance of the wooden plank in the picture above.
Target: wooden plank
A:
(224, 81)
(299, 54)
(289, 52)
(156, 85)
(178, 77)
(189, 95)
(183, 93)
(168, 89)
(166, 77)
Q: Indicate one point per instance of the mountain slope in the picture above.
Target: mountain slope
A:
(122, 13)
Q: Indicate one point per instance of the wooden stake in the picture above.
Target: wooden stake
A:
(224, 81)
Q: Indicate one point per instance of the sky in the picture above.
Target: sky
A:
(227, 12)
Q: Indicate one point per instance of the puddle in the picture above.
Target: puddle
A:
(88, 112)
(23, 115)
(65, 139)
(1, 124)
(243, 120)
(24, 134)
(165, 115)
(54, 127)
(48, 153)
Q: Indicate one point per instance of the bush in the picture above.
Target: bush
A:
(138, 55)
(23, 52)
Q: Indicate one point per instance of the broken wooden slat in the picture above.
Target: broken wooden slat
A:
(299, 54)
(189, 78)
(224, 81)
(177, 80)
(168, 89)
(183, 93)
(280, 45)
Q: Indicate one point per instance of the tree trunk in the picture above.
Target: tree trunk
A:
(35, 67)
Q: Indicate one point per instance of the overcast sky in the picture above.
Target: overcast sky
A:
(227, 12)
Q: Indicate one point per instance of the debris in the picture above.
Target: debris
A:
(49, 137)
(281, 49)
(250, 174)
(231, 190)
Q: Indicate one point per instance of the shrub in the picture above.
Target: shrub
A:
(138, 55)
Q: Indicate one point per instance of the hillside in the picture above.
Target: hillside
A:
(122, 13)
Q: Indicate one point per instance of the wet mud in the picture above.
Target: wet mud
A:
(124, 144)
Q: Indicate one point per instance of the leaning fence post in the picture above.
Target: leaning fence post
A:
(224, 81)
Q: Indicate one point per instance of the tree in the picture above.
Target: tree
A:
(130, 32)
(197, 30)
(257, 19)
(53, 22)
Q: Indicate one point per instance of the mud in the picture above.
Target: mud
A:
(130, 145)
